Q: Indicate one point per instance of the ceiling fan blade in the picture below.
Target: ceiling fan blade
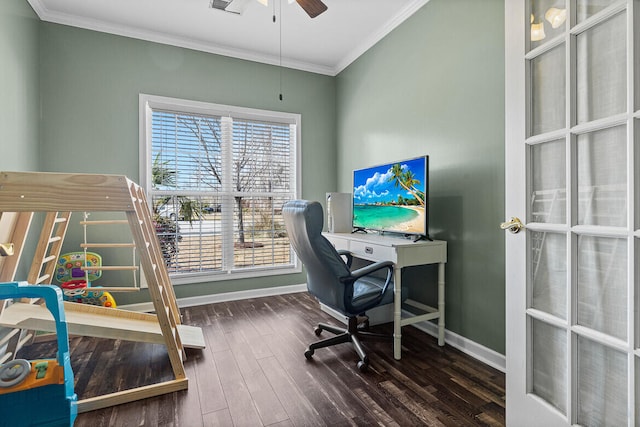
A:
(312, 7)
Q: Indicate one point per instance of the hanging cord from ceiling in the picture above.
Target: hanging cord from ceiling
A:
(279, 21)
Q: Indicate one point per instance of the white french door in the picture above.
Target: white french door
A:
(572, 99)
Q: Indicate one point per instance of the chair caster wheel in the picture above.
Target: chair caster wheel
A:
(363, 367)
(317, 330)
(308, 354)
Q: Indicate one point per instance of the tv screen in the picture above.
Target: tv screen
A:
(392, 197)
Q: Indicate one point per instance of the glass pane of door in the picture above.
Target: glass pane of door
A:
(585, 9)
(547, 20)
(548, 273)
(601, 70)
(549, 366)
(548, 179)
(602, 385)
(602, 285)
(602, 177)
(548, 91)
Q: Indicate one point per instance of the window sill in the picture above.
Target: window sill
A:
(184, 279)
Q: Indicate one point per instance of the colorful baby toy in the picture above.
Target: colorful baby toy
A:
(75, 276)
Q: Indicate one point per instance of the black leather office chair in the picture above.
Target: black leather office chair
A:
(331, 281)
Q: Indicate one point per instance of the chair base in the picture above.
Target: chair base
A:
(354, 334)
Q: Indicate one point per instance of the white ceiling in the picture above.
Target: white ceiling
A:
(326, 44)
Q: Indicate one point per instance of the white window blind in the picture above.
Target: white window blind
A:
(217, 177)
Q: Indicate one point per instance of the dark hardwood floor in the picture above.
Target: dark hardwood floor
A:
(253, 373)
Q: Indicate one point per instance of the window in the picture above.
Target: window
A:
(217, 177)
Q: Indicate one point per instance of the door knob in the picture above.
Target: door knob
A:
(514, 226)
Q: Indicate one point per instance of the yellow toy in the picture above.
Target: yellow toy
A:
(75, 277)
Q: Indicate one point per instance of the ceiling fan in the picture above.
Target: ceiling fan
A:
(312, 7)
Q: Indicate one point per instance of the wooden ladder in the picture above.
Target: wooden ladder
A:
(86, 245)
(42, 268)
(49, 246)
(160, 288)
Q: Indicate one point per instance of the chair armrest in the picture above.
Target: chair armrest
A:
(364, 271)
(371, 268)
(348, 255)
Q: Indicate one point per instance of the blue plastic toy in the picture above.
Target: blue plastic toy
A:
(39, 392)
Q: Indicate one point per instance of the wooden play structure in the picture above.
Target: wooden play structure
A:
(57, 195)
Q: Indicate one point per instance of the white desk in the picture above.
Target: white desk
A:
(403, 253)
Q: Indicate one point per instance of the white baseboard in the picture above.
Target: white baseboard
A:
(465, 345)
(227, 296)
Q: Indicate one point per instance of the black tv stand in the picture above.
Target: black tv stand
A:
(358, 229)
(418, 237)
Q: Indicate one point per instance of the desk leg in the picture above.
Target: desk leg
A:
(441, 304)
(397, 313)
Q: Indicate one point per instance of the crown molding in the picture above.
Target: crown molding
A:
(126, 31)
(411, 8)
(152, 36)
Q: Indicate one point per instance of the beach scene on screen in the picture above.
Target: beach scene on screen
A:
(391, 197)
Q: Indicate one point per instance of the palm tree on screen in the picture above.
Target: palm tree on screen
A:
(407, 180)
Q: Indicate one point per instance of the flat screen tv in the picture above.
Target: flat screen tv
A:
(393, 197)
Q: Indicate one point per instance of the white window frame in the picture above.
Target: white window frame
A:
(148, 103)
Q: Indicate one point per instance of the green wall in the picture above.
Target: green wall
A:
(435, 86)
(19, 112)
(90, 83)
(19, 94)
